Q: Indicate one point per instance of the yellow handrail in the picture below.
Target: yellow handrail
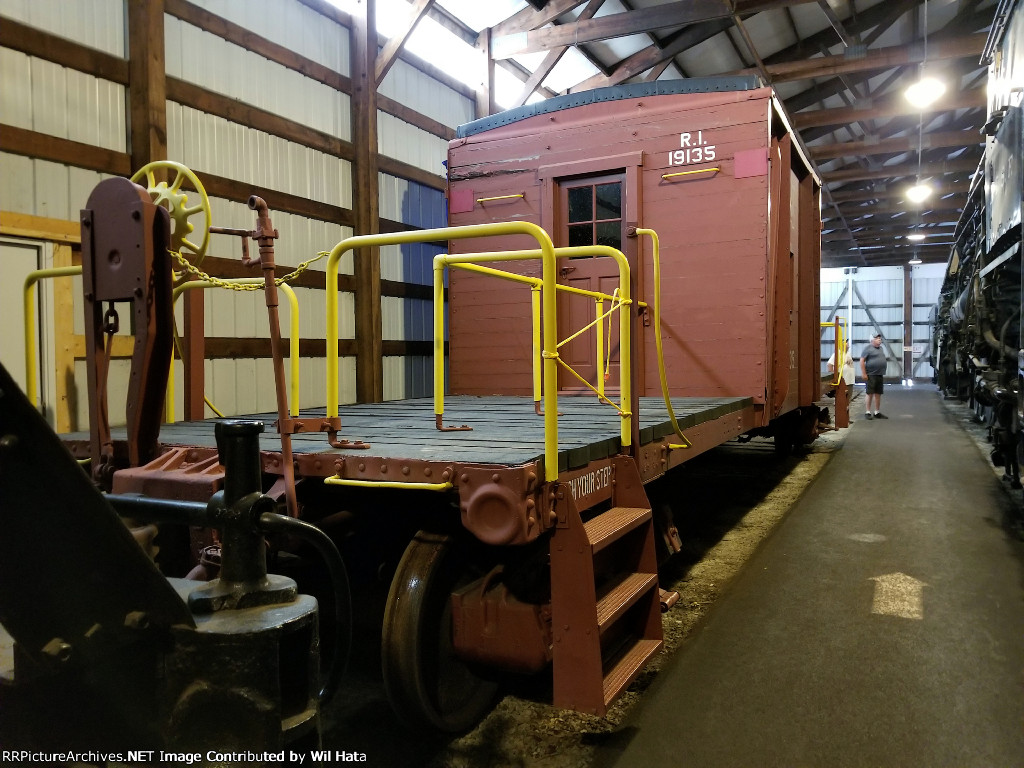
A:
(599, 359)
(656, 311)
(29, 308)
(690, 173)
(538, 346)
(482, 200)
(336, 480)
(293, 356)
(601, 315)
(550, 351)
(840, 354)
(536, 283)
(32, 386)
(547, 251)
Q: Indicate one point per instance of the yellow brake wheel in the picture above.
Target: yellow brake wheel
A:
(176, 202)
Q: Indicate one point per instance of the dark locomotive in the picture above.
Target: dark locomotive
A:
(977, 340)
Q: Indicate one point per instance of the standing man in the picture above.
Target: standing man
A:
(872, 367)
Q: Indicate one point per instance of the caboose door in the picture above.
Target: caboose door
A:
(590, 212)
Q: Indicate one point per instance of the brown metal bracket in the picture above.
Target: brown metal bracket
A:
(320, 424)
(245, 234)
(439, 423)
(125, 260)
(539, 409)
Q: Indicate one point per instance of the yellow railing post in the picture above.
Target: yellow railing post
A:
(536, 286)
(840, 352)
(599, 370)
(438, 338)
(550, 276)
(656, 311)
(535, 299)
(29, 309)
(625, 376)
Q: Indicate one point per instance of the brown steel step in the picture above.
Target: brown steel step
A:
(619, 598)
(627, 666)
(612, 525)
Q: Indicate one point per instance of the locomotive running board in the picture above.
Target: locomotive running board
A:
(605, 601)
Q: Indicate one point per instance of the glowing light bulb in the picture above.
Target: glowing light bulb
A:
(916, 237)
(919, 193)
(925, 92)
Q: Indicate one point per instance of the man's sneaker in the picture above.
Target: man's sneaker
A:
(868, 416)
(881, 415)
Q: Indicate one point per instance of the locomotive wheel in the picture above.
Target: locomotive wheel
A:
(428, 687)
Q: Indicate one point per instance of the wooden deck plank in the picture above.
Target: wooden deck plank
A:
(506, 430)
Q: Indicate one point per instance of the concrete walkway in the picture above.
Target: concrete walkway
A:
(882, 624)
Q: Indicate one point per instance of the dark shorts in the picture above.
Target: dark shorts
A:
(875, 385)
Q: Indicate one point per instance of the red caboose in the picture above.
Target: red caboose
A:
(713, 168)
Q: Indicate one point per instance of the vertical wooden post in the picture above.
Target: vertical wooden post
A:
(147, 102)
(485, 92)
(366, 209)
(908, 322)
(147, 82)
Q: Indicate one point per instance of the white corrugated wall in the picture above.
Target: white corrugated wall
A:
(878, 307)
(401, 200)
(47, 98)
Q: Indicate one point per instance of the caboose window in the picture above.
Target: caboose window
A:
(609, 201)
(593, 213)
(581, 204)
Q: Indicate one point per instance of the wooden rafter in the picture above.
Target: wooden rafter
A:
(551, 59)
(531, 18)
(651, 56)
(890, 107)
(387, 57)
(884, 192)
(614, 25)
(900, 144)
(880, 58)
(956, 165)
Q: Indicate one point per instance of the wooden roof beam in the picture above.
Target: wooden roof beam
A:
(880, 58)
(957, 165)
(908, 143)
(552, 58)
(529, 18)
(895, 106)
(614, 25)
(837, 23)
(883, 192)
(387, 57)
(677, 14)
(868, 235)
(651, 56)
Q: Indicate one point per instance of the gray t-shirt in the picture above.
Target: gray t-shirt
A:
(874, 360)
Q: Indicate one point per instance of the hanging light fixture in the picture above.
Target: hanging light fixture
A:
(927, 90)
(916, 237)
(915, 260)
(920, 191)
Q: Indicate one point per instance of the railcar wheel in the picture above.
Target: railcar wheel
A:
(428, 687)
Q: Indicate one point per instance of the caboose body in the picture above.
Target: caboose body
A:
(712, 167)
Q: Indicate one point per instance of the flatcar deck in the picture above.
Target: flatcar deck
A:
(506, 430)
